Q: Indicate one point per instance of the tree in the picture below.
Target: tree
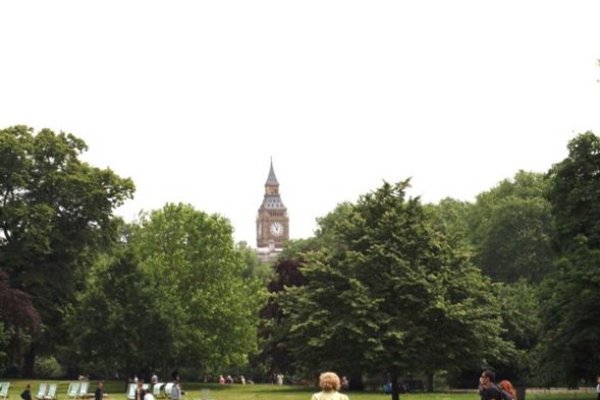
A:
(274, 355)
(253, 267)
(56, 212)
(570, 348)
(20, 318)
(116, 326)
(511, 229)
(520, 306)
(195, 271)
(570, 295)
(383, 288)
(574, 192)
(452, 217)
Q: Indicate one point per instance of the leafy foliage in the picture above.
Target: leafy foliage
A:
(570, 296)
(115, 322)
(55, 212)
(511, 230)
(574, 193)
(386, 292)
(195, 271)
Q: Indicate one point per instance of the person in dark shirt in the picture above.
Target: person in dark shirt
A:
(99, 393)
(139, 391)
(26, 395)
(488, 388)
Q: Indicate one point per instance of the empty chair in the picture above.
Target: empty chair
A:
(168, 389)
(4, 386)
(73, 390)
(51, 395)
(131, 391)
(41, 394)
(82, 393)
(156, 389)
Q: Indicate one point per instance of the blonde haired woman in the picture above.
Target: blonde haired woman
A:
(330, 384)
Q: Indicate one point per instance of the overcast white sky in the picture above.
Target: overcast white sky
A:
(191, 98)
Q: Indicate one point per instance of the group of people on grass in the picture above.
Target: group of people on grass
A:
(330, 384)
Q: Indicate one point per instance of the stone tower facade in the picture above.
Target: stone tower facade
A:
(272, 222)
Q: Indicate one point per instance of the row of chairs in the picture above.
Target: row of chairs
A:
(46, 392)
(159, 390)
(78, 390)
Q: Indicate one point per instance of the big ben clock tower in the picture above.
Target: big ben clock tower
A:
(272, 222)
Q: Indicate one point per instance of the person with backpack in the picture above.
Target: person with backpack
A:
(488, 388)
(26, 395)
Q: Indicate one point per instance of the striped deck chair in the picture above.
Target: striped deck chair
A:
(41, 394)
(4, 386)
(131, 391)
(73, 390)
(82, 393)
(156, 389)
(168, 389)
(51, 395)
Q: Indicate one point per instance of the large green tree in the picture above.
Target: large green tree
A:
(574, 192)
(570, 296)
(386, 293)
(196, 272)
(55, 213)
(116, 326)
(511, 230)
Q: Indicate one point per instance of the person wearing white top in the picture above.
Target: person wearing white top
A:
(330, 384)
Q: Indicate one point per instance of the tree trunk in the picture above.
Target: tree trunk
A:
(395, 387)
(521, 392)
(356, 382)
(29, 361)
(429, 384)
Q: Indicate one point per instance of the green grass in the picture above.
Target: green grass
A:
(116, 391)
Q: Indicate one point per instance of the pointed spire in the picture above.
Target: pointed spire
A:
(272, 179)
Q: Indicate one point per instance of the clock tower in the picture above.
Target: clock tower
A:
(272, 222)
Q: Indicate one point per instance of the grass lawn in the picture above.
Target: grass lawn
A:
(116, 391)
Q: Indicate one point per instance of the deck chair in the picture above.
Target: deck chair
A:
(42, 391)
(156, 389)
(205, 394)
(131, 391)
(51, 395)
(73, 390)
(82, 393)
(4, 386)
(168, 389)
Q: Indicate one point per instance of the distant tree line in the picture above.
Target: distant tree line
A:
(387, 286)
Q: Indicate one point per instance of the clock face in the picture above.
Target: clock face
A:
(277, 228)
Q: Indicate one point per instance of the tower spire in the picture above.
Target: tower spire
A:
(272, 179)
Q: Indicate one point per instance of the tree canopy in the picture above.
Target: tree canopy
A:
(570, 295)
(195, 270)
(386, 293)
(56, 210)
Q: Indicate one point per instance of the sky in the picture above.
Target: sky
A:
(192, 99)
